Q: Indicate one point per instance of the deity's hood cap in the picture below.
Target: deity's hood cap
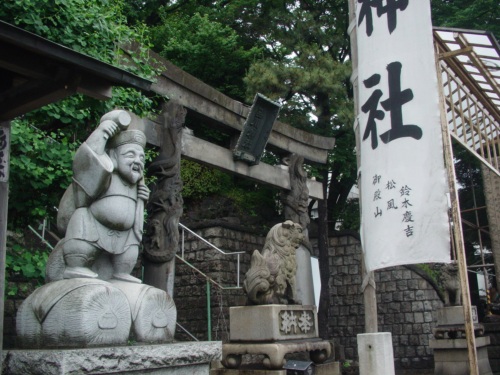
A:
(127, 137)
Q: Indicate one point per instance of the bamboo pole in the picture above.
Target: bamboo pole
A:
(368, 287)
(457, 231)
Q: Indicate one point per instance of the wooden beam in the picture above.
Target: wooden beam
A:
(464, 76)
(34, 96)
(98, 89)
(457, 233)
(368, 286)
(449, 54)
(484, 72)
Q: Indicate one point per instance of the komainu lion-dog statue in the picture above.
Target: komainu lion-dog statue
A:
(271, 277)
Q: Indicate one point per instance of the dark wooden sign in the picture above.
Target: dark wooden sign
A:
(256, 130)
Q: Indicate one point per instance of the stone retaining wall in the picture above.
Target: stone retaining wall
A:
(191, 287)
(493, 331)
(406, 301)
(406, 305)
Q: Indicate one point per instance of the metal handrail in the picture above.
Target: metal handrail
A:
(207, 278)
(186, 331)
(237, 253)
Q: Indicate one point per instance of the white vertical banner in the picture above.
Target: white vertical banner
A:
(404, 188)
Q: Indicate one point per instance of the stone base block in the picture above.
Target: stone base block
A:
(452, 315)
(376, 355)
(272, 323)
(451, 356)
(332, 368)
(274, 353)
(451, 323)
(192, 358)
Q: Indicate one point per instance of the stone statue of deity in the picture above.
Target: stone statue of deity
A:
(90, 298)
(101, 214)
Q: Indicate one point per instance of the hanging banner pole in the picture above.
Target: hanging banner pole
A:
(457, 231)
(368, 287)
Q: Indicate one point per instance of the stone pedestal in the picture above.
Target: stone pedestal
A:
(273, 331)
(451, 323)
(492, 330)
(376, 356)
(331, 368)
(266, 323)
(451, 356)
(192, 358)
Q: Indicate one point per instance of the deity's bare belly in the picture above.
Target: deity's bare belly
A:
(115, 212)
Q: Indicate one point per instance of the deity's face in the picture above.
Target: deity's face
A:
(129, 162)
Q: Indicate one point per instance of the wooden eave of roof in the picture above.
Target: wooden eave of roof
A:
(35, 72)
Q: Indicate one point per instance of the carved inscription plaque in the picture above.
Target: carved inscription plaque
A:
(256, 130)
(296, 322)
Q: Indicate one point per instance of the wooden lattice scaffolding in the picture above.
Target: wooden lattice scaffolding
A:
(470, 71)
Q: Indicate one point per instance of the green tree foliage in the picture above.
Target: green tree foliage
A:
(307, 69)
(43, 141)
(200, 181)
(93, 27)
(467, 14)
(191, 36)
(40, 171)
(24, 264)
(204, 48)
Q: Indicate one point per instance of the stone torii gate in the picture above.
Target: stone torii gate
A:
(229, 115)
(202, 101)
